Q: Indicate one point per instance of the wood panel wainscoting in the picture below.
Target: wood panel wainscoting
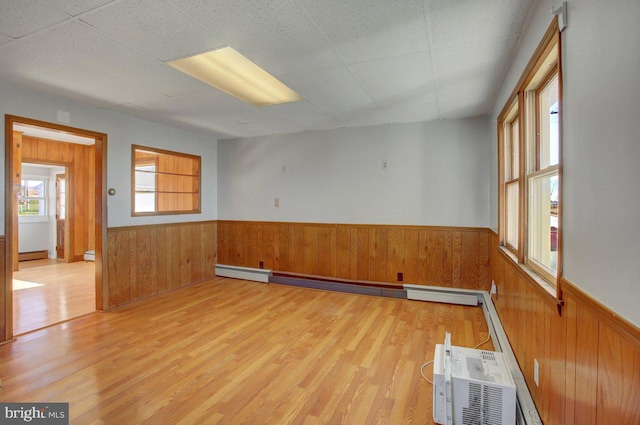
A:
(143, 261)
(589, 358)
(440, 256)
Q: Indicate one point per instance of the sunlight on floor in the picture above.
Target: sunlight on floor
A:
(23, 284)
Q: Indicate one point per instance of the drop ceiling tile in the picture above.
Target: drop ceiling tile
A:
(391, 81)
(293, 110)
(420, 107)
(208, 102)
(153, 27)
(333, 90)
(468, 90)
(76, 7)
(80, 43)
(460, 23)
(362, 30)
(18, 18)
(42, 70)
(466, 74)
(457, 109)
(302, 115)
(205, 128)
(468, 59)
(229, 126)
(362, 118)
(114, 60)
(277, 35)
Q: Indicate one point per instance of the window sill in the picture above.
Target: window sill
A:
(544, 288)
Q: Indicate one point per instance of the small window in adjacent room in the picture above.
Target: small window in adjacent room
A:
(529, 137)
(145, 187)
(32, 199)
(164, 182)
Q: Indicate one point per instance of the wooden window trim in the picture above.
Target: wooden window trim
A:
(531, 80)
(198, 176)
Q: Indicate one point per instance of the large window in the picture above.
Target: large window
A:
(511, 133)
(164, 182)
(529, 130)
(543, 182)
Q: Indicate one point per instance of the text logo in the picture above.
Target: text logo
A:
(34, 413)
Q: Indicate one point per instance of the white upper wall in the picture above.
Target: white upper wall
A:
(601, 145)
(436, 174)
(122, 132)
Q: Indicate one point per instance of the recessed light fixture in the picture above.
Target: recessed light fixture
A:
(229, 71)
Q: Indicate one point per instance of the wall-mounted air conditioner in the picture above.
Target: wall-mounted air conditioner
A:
(472, 387)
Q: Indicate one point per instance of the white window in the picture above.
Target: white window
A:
(32, 199)
(543, 182)
(530, 162)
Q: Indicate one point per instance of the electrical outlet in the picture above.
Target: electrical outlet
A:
(276, 202)
(262, 264)
(536, 372)
(400, 276)
(494, 288)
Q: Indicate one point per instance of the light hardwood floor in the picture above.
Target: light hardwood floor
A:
(46, 292)
(231, 351)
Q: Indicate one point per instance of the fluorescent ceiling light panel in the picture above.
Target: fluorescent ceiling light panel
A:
(229, 71)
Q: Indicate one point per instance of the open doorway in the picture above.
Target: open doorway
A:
(54, 221)
(48, 286)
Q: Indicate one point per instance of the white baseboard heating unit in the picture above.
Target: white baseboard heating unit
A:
(441, 295)
(89, 255)
(246, 273)
(472, 387)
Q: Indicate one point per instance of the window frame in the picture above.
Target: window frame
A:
(44, 217)
(543, 66)
(510, 178)
(196, 209)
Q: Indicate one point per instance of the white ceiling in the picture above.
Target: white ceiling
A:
(355, 62)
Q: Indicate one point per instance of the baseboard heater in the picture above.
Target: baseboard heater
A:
(339, 285)
(246, 273)
(526, 413)
(442, 295)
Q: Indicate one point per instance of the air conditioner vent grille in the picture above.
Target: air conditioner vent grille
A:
(472, 414)
(492, 405)
(484, 406)
(489, 356)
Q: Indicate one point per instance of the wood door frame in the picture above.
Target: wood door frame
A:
(6, 310)
(66, 239)
(68, 230)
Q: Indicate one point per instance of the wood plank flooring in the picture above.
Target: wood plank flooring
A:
(231, 351)
(47, 292)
